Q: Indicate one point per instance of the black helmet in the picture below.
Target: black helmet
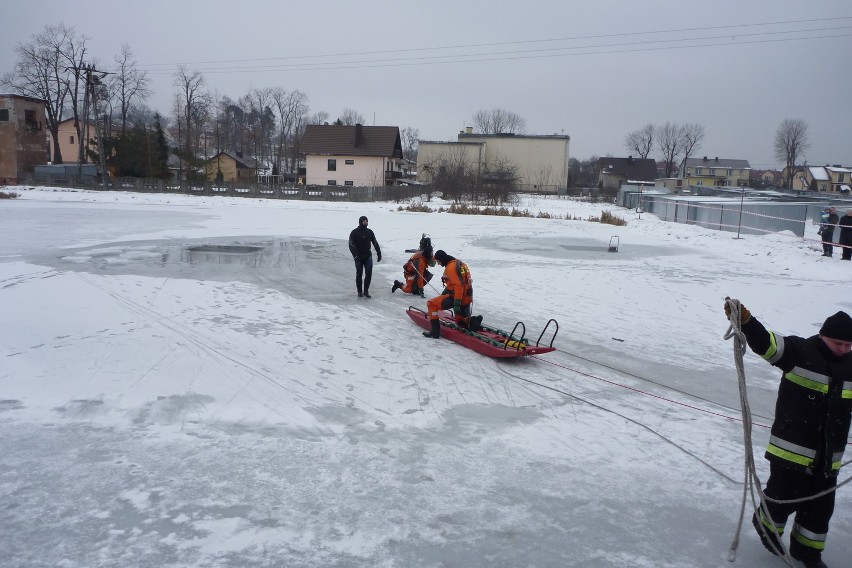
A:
(425, 241)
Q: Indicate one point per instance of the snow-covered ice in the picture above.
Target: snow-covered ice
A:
(163, 405)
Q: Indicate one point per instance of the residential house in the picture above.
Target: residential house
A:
(825, 179)
(716, 172)
(765, 178)
(234, 167)
(791, 173)
(615, 172)
(23, 143)
(356, 155)
(539, 162)
(841, 178)
(69, 143)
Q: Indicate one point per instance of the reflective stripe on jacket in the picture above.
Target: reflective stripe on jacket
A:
(458, 281)
(814, 405)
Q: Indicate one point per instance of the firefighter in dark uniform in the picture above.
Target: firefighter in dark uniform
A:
(809, 433)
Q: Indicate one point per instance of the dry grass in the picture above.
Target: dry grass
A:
(466, 209)
(8, 195)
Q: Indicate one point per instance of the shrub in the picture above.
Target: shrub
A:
(416, 207)
(8, 195)
(610, 219)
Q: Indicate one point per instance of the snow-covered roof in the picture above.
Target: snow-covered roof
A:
(819, 173)
(839, 170)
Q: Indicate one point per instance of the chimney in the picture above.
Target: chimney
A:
(717, 158)
(468, 129)
(705, 158)
(359, 135)
(630, 160)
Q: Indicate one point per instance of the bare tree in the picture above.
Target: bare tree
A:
(791, 142)
(350, 117)
(498, 121)
(453, 172)
(292, 107)
(640, 142)
(189, 84)
(319, 117)
(498, 182)
(410, 141)
(544, 177)
(692, 135)
(129, 85)
(670, 143)
(261, 123)
(49, 67)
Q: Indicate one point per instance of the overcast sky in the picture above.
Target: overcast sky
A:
(592, 70)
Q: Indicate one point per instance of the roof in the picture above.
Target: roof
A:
(250, 163)
(358, 140)
(636, 169)
(511, 135)
(24, 97)
(718, 163)
(818, 172)
(471, 143)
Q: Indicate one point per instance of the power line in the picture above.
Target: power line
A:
(516, 42)
(483, 58)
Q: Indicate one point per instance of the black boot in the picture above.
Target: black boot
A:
(396, 284)
(770, 540)
(475, 323)
(436, 330)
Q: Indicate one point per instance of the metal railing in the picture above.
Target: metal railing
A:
(264, 191)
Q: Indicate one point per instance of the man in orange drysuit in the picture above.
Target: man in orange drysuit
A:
(415, 272)
(457, 294)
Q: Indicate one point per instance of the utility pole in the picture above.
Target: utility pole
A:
(93, 81)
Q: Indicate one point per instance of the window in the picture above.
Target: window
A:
(332, 166)
(698, 171)
(332, 182)
(350, 162)
(348, 182)
(71, 139)
(30, 120)
(712, 171)
(840, 178)
(4, 115)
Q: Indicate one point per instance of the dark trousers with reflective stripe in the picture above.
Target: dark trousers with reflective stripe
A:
(807, 538)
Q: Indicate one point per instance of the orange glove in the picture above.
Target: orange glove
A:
(745, 315)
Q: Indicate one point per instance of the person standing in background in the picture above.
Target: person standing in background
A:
(828, 219)
(846, 235)
(360, 240)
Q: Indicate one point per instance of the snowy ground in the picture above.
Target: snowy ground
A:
(164, 407)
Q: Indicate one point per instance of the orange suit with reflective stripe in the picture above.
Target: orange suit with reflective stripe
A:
(457, 294)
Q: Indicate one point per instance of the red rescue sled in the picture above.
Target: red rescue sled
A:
(488, 341)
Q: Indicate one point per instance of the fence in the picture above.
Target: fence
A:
(753, 216)
(310, 193)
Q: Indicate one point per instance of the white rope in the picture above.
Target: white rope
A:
(752, 481)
